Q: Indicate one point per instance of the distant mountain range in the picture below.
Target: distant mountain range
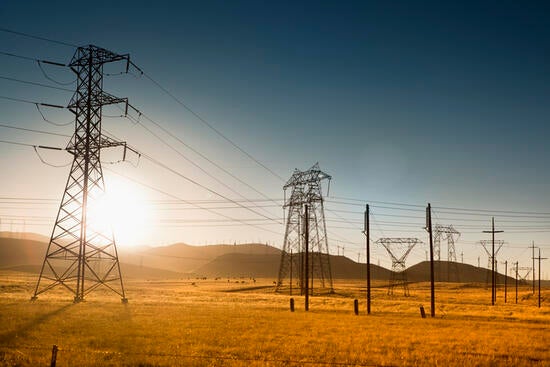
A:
(25, 252)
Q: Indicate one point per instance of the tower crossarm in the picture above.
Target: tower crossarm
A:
(448, 230)
(96, 56)
(311, 176)
(409, 244)
(486, 243)
(98, 100)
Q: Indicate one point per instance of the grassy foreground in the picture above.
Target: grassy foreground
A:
(221, 323)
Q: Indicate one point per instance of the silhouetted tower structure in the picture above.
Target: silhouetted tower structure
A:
(449, 234)
(486, 244)
(398, 249)
(306, 189)
(526, 271)
(82, 254)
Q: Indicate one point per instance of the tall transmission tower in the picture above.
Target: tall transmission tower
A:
(398, 249)
(449, 234)
(82, 254)
(306, 190)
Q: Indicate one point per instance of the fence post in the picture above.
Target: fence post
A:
(356, 307)
(422, 312)
(292, 305)
(54, 356)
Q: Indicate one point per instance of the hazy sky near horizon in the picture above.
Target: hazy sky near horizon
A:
(402, 102)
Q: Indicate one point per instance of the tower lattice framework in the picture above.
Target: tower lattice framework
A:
(82, 253)
(398, 249)
(306, 190)
(451, 235)
(486, 244)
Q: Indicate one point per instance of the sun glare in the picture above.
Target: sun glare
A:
(120, 209)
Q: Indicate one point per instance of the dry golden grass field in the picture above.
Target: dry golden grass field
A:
(241, 323)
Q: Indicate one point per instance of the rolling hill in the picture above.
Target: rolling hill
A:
(248, 260)
(185, 258)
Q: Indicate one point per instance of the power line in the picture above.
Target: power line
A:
(446, 209)
(198, 153)
(162, 165)
(34, 131)
(193, 163)
(209, 125)
(187, 202)
(17, 143)
(49, 77)
(363, 202)
(37, 37)
(18, 56)
(170, 169)
(34, 59)
(36, 84)
(31, 102)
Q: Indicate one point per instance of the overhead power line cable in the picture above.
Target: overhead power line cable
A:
(210, 126)
(17, 143)
(33, 130)
(6, 30)
(31, 102)
(177, 173)
(36, 147)
(195, 164)
(198, 153)
(36, 84)
(39, 62)
(47, 76)
(32, 59)
(190, 203)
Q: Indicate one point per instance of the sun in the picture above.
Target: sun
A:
(121, 210)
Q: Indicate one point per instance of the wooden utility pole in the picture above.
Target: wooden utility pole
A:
(493, 275)
(539, 259)
(505, 279)
(432, 282)
(367, 235)
(533, 256)
(517, 268)
(306, 240)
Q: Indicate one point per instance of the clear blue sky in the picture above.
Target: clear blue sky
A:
(409, 103)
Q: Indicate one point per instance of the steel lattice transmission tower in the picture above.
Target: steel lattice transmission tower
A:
(449, 234)
(486, 246)
(399, 249)
(306, 189)
(82, 254)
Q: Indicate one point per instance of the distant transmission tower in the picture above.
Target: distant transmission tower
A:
(525, 271)
(450, 234)
(399, 249)
(486, 246)
(306, 189)
(81, 256)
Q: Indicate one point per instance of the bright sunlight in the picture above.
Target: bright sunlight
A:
(121, 209)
